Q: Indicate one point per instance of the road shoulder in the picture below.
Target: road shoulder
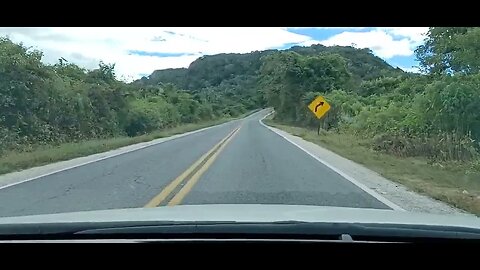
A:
(394, 192)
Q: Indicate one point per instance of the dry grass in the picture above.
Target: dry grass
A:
(453, 183)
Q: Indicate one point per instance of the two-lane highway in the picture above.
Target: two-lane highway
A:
(238, 162)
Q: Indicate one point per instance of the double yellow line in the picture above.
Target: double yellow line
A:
(191, 175)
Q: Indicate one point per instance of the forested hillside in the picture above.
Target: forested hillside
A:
(419, 130)
(256, 79)
(53, 104)
(213, 77)
(434, 115)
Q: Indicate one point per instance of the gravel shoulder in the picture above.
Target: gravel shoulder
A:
(392, 191)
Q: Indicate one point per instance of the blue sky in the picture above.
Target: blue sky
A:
(408, 62)
(139, 51)
(322, 34)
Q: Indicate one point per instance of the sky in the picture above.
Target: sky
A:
(138, 51)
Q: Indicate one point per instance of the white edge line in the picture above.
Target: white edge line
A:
(349, 178)
(170, 138)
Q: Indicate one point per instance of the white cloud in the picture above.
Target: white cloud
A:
(381, 43)
(87, 46)
(414, 34)
(385, 42)
(338, 28)
(411, 69)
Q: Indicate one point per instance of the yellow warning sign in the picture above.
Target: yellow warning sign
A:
(319, 107)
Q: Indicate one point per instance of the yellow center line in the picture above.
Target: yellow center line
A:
(177, 199)
(157, 200)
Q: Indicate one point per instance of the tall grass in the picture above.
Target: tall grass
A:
(448, 146)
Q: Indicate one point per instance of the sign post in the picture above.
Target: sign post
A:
(319, 108)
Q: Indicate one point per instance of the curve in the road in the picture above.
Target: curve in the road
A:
(251, 165)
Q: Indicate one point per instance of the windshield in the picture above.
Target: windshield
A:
(123, 118)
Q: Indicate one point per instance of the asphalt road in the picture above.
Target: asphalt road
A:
(248, 163)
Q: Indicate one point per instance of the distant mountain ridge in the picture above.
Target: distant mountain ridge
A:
(212, 70)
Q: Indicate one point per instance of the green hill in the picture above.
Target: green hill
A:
(213, 70)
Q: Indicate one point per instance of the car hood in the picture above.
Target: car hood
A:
(250, 213)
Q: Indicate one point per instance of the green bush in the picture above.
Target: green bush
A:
(52, 104)
(150, 114)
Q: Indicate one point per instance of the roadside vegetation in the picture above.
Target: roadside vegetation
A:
(420, 130)
(56, 112)
(45, 154)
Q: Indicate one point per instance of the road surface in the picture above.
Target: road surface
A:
(238, 162)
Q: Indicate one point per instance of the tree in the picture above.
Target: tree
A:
(450, 50)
